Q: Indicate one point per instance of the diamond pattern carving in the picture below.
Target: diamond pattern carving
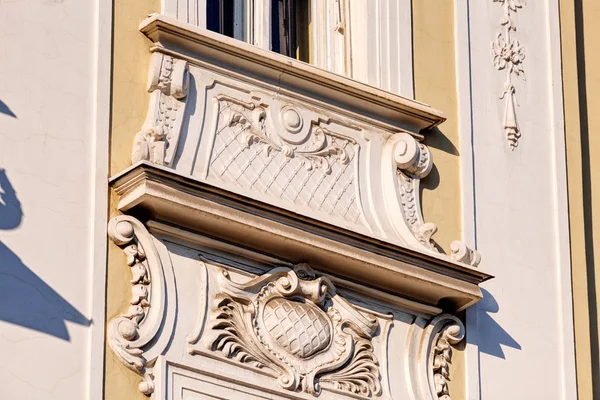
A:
(300, 328)
(319, 174)
(293, 325)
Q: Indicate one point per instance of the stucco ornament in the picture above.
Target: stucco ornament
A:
(451, 333)
(132, 334)
(294, 326)
(461, 253)
(410, 162)
(168, 85)
(508, 55)
(432, 346)
(273, 149)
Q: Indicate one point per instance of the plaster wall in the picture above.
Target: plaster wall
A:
(131, 57)
(581, 77)
(520, 340)
(54, 85)
(435, 84)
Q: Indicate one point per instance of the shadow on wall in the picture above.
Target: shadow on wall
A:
(5, 110)
(25, 299)
(491, 335)
(589, 226)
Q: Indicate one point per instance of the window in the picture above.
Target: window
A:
(227, 17)
(290, 32)
(290, 28)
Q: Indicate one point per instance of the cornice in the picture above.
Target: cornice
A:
(157, 193)
(185, 40)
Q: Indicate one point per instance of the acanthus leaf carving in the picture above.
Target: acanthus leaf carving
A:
(361, 374)
(461, 253)
(430, 351)
(451, 333)
(295, 327)
(168, 85)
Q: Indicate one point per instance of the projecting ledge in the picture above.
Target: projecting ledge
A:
(157, 193)
(292, 77)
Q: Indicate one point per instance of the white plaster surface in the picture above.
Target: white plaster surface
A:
(48, 73)
(522, 329)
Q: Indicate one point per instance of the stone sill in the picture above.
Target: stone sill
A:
(157, 193)
(184, 40)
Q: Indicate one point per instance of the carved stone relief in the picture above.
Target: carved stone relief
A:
(295, 327)
(508, 55)
(168, 85)
(124, 330)
(279, 153)
(431, 343)
(288, 328)
(130, 334)
(333, 165)
(451, 333)
(410, 162)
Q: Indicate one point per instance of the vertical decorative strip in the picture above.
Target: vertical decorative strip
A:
(508, 55)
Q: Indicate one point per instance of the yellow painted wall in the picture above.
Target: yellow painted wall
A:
(130, 99)
(435, 84)
(131, 59)
(580, 33)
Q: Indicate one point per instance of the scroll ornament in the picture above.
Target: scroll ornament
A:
(123, 332)
(310, 144)
(445, 331)
(282, 150)
(293, 326)
(414, 161)
(168, 86)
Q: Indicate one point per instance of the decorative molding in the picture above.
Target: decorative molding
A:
(168, 86)
(130, 333)
(508, 55)
(293, 326)
(411, 270)
(461, 253)
(285, 156)
(430, 351)
(452, 332)
(412, 162)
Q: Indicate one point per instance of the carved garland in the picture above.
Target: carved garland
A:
(296, 328)
(168, 84)
(508, 54)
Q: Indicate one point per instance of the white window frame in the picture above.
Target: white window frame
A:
(370, 41)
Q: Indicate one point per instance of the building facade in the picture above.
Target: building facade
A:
(298, 199)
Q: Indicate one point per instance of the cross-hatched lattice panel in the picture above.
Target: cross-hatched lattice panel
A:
(289, 178)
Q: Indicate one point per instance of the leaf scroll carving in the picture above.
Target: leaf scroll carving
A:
(293, 325)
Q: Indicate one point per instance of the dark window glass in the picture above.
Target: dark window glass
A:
(290, 28)
(226, 17)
